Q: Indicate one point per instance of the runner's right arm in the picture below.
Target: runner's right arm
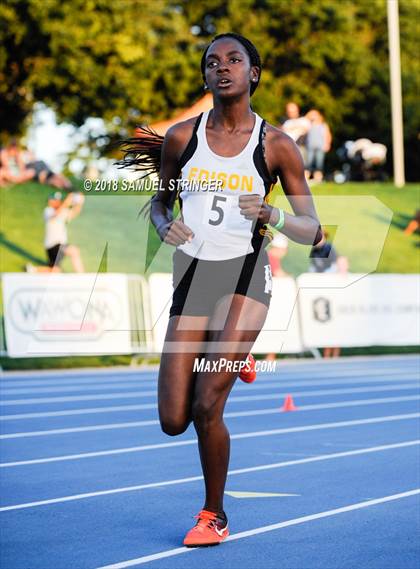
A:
(173, 232)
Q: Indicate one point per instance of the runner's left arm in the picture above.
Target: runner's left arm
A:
(285, 162)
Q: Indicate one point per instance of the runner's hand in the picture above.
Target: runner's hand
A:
(176, 233)
(254, 207)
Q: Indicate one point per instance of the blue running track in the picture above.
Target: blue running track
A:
(88, 480)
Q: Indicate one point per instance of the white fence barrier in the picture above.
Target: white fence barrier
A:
(160, 295)
(377, 309)
(62, 314)
(281, 331)
(69, 314)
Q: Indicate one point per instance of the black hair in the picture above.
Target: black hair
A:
(142, 153)
(254, 56)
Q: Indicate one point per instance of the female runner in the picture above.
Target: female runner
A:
(222, 278)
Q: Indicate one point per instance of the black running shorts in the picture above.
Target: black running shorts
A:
(39, 166)
(199, 285)
(55, 254)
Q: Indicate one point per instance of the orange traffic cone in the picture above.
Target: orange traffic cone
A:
(289, 404)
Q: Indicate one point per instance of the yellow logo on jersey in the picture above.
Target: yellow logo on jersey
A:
(229, 181)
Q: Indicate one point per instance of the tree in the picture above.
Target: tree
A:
(127, 59)
(328, 54)
(138, 61)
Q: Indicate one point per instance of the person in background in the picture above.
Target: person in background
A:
(325, 259)
(3, 174)
(414, 224)
(57, 214)
(318, 143)
(18, 166)
(296, 126)
(12, 161)
(323, 256)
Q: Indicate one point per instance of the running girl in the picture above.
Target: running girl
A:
(222, 277)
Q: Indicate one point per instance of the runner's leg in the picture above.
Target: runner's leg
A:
(176, 375)
(234, 341)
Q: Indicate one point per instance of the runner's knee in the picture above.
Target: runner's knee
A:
(172, 426)
(205, 411)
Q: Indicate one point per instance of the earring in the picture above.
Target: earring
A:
(205, 87)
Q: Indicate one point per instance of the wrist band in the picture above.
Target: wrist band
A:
(280, 223)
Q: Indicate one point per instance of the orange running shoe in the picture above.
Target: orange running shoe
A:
(209, 530)
(248, 373)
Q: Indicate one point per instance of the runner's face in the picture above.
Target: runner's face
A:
(228, 69)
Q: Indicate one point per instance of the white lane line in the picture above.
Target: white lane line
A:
(83, 372)
(139, 378)
(392, 374)
(235, 472)
(252, 434)
(69, 398)
(282, 371)
(255, 412)
(265, 529)
(262, 383)
(319, 392)
(318, 406)
(232, 399)
(106, 427)
(78, 388)
(70, 412)
(292, 366)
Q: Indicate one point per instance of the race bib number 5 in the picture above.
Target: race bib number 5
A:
(217, 210)
(222, 212)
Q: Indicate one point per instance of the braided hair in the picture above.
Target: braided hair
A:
(254, 56)
(142, 153)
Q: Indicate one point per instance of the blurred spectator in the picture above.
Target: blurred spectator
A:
(18, 166)
(3, 174)
(323, 256)
(12, 162)
(318, 143)
(362, 160)
(276, 253)
(414, 224)
(296, 126)
(57, 214)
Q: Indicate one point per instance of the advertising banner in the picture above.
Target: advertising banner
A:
(66, 314)
(281, 329)
(343, 310)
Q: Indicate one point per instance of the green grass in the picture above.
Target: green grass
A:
(366, 221)
(400, 253)
(364, 233)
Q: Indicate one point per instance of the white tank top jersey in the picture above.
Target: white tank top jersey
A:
(220, 231)
(55, 227)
